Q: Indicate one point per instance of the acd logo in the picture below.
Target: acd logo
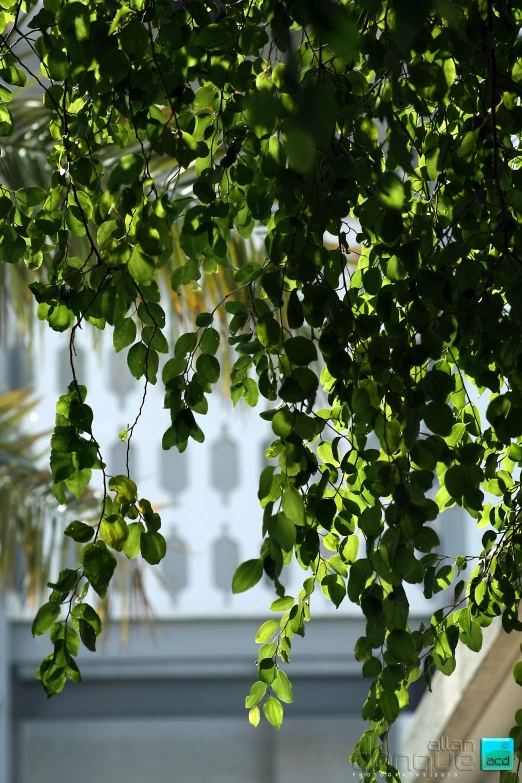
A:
(497, 753)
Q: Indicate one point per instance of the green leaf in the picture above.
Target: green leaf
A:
(45, 617)
(517, 672)
(81, 416)
(6, 121)
(284, 532)
(51, 676)
(251, 394)
(99, 564)
(125, 488)
(141, 267)
(248, 272)
(273, 711)
(389, 705)
(107, 230)
(471, 632)
(300, 147)
(124, 334)
(208, 368)
(247, 575)
(60, 318)
(87, 613)
(74, 222)
(78, 481)
(351, 549)
(204, 319)
(283, 422)
(265, 482)
(30, 196)
(443, 654)
(444, 577)
(114, 531)
(457, 433)
(267, 670)
(266, 631)
(391, 225)
(57, 64)
(282, 604)
(372, 668)
(401, 645)
(391, 191)
(79, 531)
(136, 359)
(508, 777)
(185, 344)
(213, 36)
(153, 547)
(516, 73)
(172, 369)
(370, 521)
(210, 341)
(72, 640)
(87, 635)
(439, 418)
(267, 651)
(257, 691)
(360, 572)
(293, 506)
(132, 545)
(301, 351)
(498, 409)
(426, 539)
(468, 144)
(454, 480)
(14, 76)
(205, 97)
(126, 171)
(363, 649)
(282, 687)
(67, 579)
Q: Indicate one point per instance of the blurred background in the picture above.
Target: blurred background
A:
(163, 697)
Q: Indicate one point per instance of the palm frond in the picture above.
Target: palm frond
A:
(33, 548)
(28, 532)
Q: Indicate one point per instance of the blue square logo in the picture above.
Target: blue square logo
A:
(497, 753)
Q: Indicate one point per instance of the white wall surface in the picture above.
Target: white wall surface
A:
(198, 516)
(187, 750)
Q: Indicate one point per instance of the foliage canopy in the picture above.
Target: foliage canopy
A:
(383, 123)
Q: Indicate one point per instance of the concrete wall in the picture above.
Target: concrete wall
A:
(478, 700)
(170, 707)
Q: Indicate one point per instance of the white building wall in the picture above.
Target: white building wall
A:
(207, 496)
(202, 508)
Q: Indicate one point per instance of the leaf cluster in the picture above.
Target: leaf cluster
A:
(389, 127)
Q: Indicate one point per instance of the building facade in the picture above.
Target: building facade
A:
(163, 698)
